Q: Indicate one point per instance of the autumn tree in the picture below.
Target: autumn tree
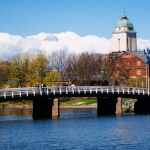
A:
(81, 68)
(37, 68)
(87, 67)
(109, 63)
(18, 69)
(52, 77)
(71, 70)
(117, 69)
(4, 72)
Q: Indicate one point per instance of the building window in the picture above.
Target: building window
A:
(131, 44)
(118, 44)
(138, 63)
(128, 73)
(127, 63)
(130, 28)
(138, 72)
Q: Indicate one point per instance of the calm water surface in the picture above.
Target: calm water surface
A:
(76, 129)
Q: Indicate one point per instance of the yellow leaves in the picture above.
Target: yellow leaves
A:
(37, 67)
(4, 72)
(52, 76)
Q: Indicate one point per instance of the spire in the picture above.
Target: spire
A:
(124, 12)
(124, 15)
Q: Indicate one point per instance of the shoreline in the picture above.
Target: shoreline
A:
(27, 106)
(81, 106)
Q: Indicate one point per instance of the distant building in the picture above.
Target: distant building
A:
(124, 36)
(133, 63)
(124, 44)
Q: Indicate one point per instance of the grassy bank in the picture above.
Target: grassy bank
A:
(77, 101)
(18, 104)
(63, 102)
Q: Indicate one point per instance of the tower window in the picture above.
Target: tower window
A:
(118, 44)
(131, 44)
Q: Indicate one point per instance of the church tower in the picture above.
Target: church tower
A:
(124, 36)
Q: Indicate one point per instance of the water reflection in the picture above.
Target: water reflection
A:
(15, 112)
(28, 112)
(77, 110)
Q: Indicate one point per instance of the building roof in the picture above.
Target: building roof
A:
(138, 54)
(124, 22)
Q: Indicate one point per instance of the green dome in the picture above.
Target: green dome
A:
(124, 22)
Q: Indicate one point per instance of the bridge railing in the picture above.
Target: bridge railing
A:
(12, 92)
(16, 92)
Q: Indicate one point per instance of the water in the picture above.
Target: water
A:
(80, 129)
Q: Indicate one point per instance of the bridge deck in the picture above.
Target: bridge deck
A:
(68, 91)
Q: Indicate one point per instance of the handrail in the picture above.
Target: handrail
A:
(26, 91)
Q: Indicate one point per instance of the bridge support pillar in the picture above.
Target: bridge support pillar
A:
(142, 106)
(119, 106)
(107, 105)
(55, 109)
(45, 108)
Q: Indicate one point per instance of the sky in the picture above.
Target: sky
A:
(72, 25)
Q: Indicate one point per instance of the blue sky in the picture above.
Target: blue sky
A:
(74, 26)
(84, 17)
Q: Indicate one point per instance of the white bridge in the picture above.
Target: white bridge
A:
(109, 98)
(71, 91)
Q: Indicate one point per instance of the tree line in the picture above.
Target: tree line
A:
(27, 69)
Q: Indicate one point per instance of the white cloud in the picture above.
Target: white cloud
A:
(11, 45)
(143, 44)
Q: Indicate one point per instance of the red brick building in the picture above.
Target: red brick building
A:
(133, 63)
